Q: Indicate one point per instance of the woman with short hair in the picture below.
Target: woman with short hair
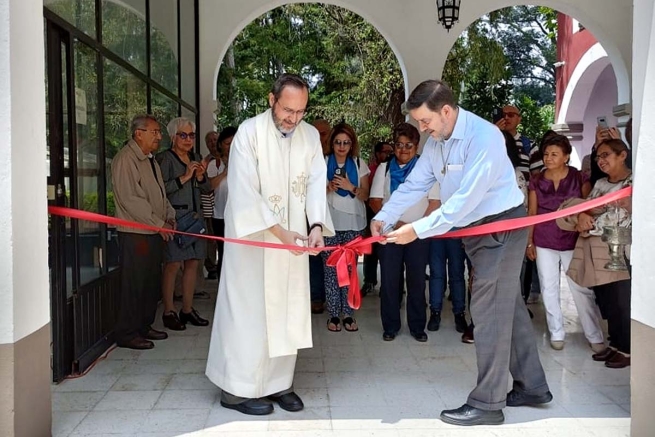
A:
(552, 247)
(411, 258)
(184, 178)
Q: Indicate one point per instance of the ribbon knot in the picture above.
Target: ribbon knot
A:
(344, 259)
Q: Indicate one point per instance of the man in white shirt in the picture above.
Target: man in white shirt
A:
(467, 156)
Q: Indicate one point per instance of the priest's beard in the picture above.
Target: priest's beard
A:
(284, 126)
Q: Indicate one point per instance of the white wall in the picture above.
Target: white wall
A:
(597, 100)
(643, 298)
(24, 292)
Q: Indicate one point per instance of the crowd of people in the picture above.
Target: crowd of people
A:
(298, 184)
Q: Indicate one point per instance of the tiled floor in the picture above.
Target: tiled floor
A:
(353, 384)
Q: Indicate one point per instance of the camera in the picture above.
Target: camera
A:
(338, 172)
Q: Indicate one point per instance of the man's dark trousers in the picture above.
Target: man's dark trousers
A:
(141, 275)
(504, 338)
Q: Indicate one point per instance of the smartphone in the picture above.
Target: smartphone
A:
(496, 115)
(602, 122)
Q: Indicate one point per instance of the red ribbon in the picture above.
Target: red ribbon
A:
(344, 258)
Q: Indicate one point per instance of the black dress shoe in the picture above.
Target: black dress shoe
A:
(212, 276)
(518, 399)
(435, 321)
(193, 317)
(153, 334)
(288, 401)
(604, 355)
(467, 415)
(253, 407)
(460, 322)
(420, 336)
(467, 336)
(172, 322)
(389, 336)
(138, 343)
(367, 288)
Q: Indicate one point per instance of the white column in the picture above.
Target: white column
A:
(643, 299)
(24, 291)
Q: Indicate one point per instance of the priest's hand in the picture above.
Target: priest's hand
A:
(289, 238)
(403, 235)
(315, 240)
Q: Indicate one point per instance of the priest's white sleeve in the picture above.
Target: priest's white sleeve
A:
(250, 213)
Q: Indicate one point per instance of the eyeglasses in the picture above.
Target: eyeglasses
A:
(406, 146)
(184, 135)
(344, 143)
(603, 156)
(385, 152)
(154, 131)
(290, 112)
(510, 114)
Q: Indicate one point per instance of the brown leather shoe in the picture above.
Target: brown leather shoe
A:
(618, 361)
(139, 343)
(604, 355)
(153, 334)
(317, 307)
(172, 322)
(193, 317)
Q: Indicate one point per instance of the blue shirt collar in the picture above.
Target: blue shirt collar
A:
(459, 130)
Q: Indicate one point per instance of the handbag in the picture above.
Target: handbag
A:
(192, 224)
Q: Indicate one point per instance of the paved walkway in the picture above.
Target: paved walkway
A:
(353, 384)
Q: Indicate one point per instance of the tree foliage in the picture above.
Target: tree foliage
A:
(353, 73)
(506, 57)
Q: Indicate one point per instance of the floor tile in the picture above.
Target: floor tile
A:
(175, 420)
(75, 400)
(191, 381)
(187, 399)
(128, 400)
(115, 422)
(64, 422)
(142, 382)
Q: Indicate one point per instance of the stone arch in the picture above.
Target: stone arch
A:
(587, 12)
(581, 84)
(270, 5)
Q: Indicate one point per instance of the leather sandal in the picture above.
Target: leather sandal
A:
(336, 322)
(348, 323)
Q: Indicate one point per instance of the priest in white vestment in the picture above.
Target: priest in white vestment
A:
(277, 186)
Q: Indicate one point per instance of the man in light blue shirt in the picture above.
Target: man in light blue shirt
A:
(467, 156)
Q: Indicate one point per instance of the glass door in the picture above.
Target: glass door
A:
(61, 232)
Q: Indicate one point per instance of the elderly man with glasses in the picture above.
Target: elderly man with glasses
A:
(139, 196)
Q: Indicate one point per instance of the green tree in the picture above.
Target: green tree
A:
(353, 73)
(506, 57)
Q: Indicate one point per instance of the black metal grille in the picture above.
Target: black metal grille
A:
(95, 306)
